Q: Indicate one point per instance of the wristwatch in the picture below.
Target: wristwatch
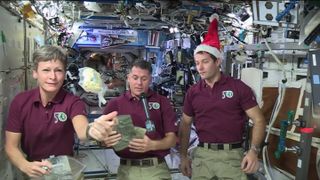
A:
(255, 148)
(87, 132)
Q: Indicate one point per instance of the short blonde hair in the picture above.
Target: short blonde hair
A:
(49, 53)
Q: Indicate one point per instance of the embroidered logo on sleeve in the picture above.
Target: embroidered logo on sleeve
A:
(227, 94)
(60, 116)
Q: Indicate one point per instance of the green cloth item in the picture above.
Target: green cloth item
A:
(3, 37)
(128, 132)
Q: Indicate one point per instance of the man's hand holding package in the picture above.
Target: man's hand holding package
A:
(102, 126)
(36, 169)
(141, 145)
(122, 133)
(113, 138)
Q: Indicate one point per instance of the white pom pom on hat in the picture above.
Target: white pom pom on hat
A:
(211, 42)
(214, 16)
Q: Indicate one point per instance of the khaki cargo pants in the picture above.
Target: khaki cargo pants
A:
(157, 172)
(208, 164)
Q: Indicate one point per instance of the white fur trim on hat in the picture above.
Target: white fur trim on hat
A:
(214, 16)
(209, 49)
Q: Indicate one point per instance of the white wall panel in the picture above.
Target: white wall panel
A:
(12, 71)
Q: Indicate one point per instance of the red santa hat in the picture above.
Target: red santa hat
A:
(211, 43)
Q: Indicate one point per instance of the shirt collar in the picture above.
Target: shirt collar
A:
(130, 97)
(222, 80)
(57, 99)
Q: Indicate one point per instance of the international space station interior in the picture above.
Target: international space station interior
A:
(272, 47)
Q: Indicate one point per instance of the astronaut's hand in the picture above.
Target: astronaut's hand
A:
(185, 166)
(36, 169)
(113, 138)
(102, 126)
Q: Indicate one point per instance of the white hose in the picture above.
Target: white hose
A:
(318, 162)
(272, 53)
(275, 112)
(276, 58)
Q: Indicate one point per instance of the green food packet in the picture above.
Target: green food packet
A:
(128, 132)
(139, 132)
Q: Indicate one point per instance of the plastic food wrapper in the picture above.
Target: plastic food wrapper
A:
(65, 168)
(173, 159)
(128, 131)
(90, 81)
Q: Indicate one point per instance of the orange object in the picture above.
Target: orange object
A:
(27, 11)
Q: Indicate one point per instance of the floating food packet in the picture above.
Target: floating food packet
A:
(128, 131)
(90, 81)
(64, 168)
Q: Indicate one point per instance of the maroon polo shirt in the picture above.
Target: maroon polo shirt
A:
(161, 113)
(46, 130)
(219, 112)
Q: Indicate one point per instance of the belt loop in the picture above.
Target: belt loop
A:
(227, 146)
(155, 161)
